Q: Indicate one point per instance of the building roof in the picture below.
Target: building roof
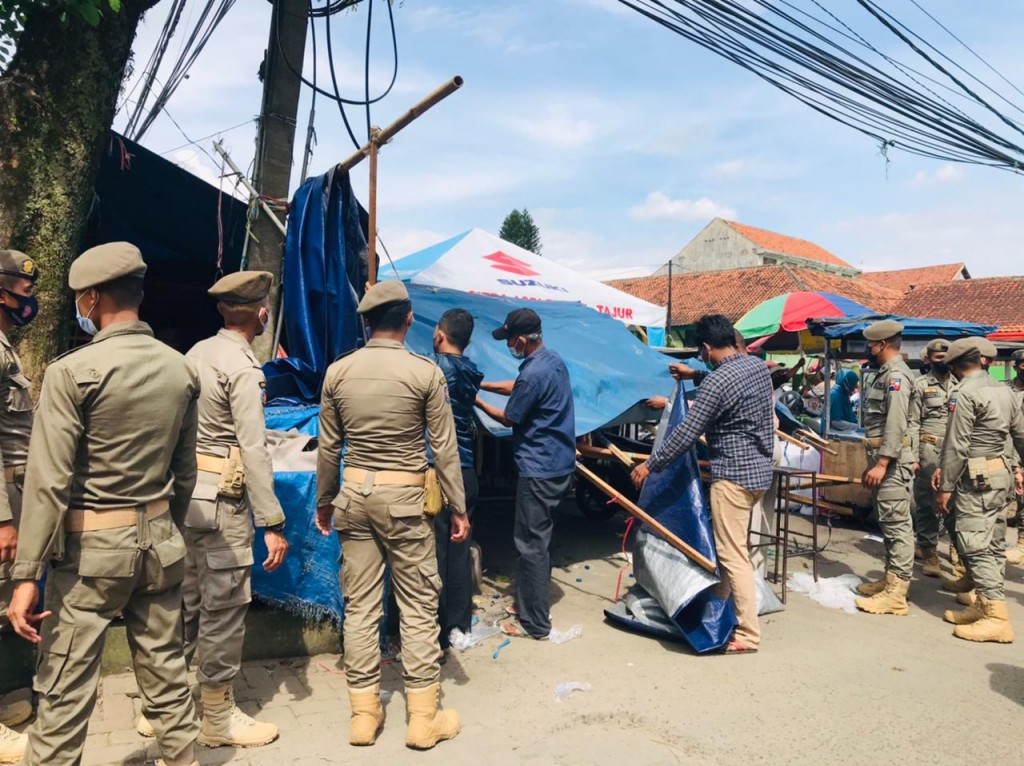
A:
(993, 300)
(734, 292)
(905, 279)
(780, 243)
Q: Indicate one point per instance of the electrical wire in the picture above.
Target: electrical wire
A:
(221, 132)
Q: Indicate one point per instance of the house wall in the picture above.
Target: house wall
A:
(716, 248)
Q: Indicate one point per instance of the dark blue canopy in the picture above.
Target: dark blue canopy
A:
(912, 327)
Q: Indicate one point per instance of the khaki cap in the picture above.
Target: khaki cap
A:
(381, 294)
(242, 287)
(105, 263)
(16, 264)
(883, 330)
(987, 347)
(934, 346)
(960, 348)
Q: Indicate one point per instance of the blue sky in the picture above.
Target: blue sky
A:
(620, 137)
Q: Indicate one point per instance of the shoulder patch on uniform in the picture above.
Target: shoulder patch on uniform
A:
(952, 404)
(263, 392)
(895, 383)
(447, 393)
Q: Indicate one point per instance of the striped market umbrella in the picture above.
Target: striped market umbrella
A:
(789, 312)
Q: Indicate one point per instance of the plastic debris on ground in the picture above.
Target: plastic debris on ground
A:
(833, 592)
(478, 634)
(562, 691)
(556, 636)
(874, 538)
(501, 646)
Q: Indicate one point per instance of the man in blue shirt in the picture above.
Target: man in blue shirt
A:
(541, 414)
(452, 335)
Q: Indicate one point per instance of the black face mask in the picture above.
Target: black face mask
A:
(24, 312)
(940, 368)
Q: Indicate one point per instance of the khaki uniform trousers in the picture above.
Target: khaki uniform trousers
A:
(892, 505)
(731, 508)
(218, 585)
(14, 489)
(133, 570)
(981, 533)
(387, 526)
(926, 518)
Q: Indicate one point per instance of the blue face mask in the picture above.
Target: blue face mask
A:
(87, 325)
(516, 353)
(24, 312)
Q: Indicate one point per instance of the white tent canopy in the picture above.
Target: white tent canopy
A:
(478, 262)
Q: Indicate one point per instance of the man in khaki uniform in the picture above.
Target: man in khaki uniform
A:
(890, 468)
(929, 399)
(976, 477)
(112, 451)
(379, 401)
(1016, 554)
(235, 484)
(18, 307)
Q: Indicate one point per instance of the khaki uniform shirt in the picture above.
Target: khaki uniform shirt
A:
(115, 428)
(886, 406)
(380, 400)
(15, 416)
(929, 409)
(231, 415)
(984, 417)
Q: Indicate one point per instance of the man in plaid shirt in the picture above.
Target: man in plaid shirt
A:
(733, 409)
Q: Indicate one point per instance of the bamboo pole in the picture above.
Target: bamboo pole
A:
(386, 134)
(787, 438)
(218, 147)
(804, 500)
(620, 455)
(630, 507)
(371, 234)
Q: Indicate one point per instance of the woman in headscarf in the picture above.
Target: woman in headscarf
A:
(840, 397)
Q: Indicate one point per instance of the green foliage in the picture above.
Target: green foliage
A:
(13, 14)
(519, 229)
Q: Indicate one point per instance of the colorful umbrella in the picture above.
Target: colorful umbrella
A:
(789, 312)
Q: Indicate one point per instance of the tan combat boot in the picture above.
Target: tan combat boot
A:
(959, 570)
(15, 712)
(931, 566)
(871, 587)
(961, 585)
(968, 598)
(972, 613)
(427, 724)
(1016, 554)
(367, 715)
(994, 626)
(12, 745)
(919, 553)
(144, 727)
(225, 724)
(892, 600)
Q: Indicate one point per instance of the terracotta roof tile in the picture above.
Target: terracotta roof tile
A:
(993, 300)
(780, 243)
(734, 292)
(904, 279)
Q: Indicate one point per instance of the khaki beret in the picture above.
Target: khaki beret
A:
(381, 294)
(987, 347)
(960, 348)
(17, 264)
(1018, 356)
(937, 345)
(242, 287)
(105, 263)
(883, 330)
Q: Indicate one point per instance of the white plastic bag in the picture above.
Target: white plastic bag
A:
(465, 641)
(562, 691)
(558, 637)
(833, 592)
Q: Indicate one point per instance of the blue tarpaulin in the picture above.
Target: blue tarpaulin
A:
(915, 327)
(675, 499)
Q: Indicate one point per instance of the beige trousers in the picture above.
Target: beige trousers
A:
(731, 506)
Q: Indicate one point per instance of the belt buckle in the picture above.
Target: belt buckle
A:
(366, 489)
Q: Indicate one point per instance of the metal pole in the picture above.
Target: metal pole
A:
(371, 251)
(827, 373)
(668, 309)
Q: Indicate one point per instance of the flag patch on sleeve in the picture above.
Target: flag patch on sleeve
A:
(952, 404)
(894, 384)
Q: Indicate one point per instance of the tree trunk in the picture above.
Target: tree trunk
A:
(57, 102)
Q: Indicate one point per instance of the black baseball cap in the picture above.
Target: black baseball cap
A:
(518, 322)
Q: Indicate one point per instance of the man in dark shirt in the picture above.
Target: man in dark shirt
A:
(541, 414)
(452, 335)
(733, 409)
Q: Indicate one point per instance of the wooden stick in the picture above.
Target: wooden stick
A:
(600, 453)
(817, 441)
(623, 458)
(371, 234)
(630, 507)
(787, 438)
(803, 500)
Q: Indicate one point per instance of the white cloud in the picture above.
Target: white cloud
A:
(947, 174)
(728, 169)
(493, 28)
(660, 207)
(559, 126)
(609, 6)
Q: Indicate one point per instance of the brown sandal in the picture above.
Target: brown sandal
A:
(735, 647)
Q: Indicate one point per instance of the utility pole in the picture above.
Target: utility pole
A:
(668, 308)
(275, 146)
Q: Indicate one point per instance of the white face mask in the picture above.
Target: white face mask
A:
(87, 325)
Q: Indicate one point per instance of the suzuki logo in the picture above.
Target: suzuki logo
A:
(504, 262)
